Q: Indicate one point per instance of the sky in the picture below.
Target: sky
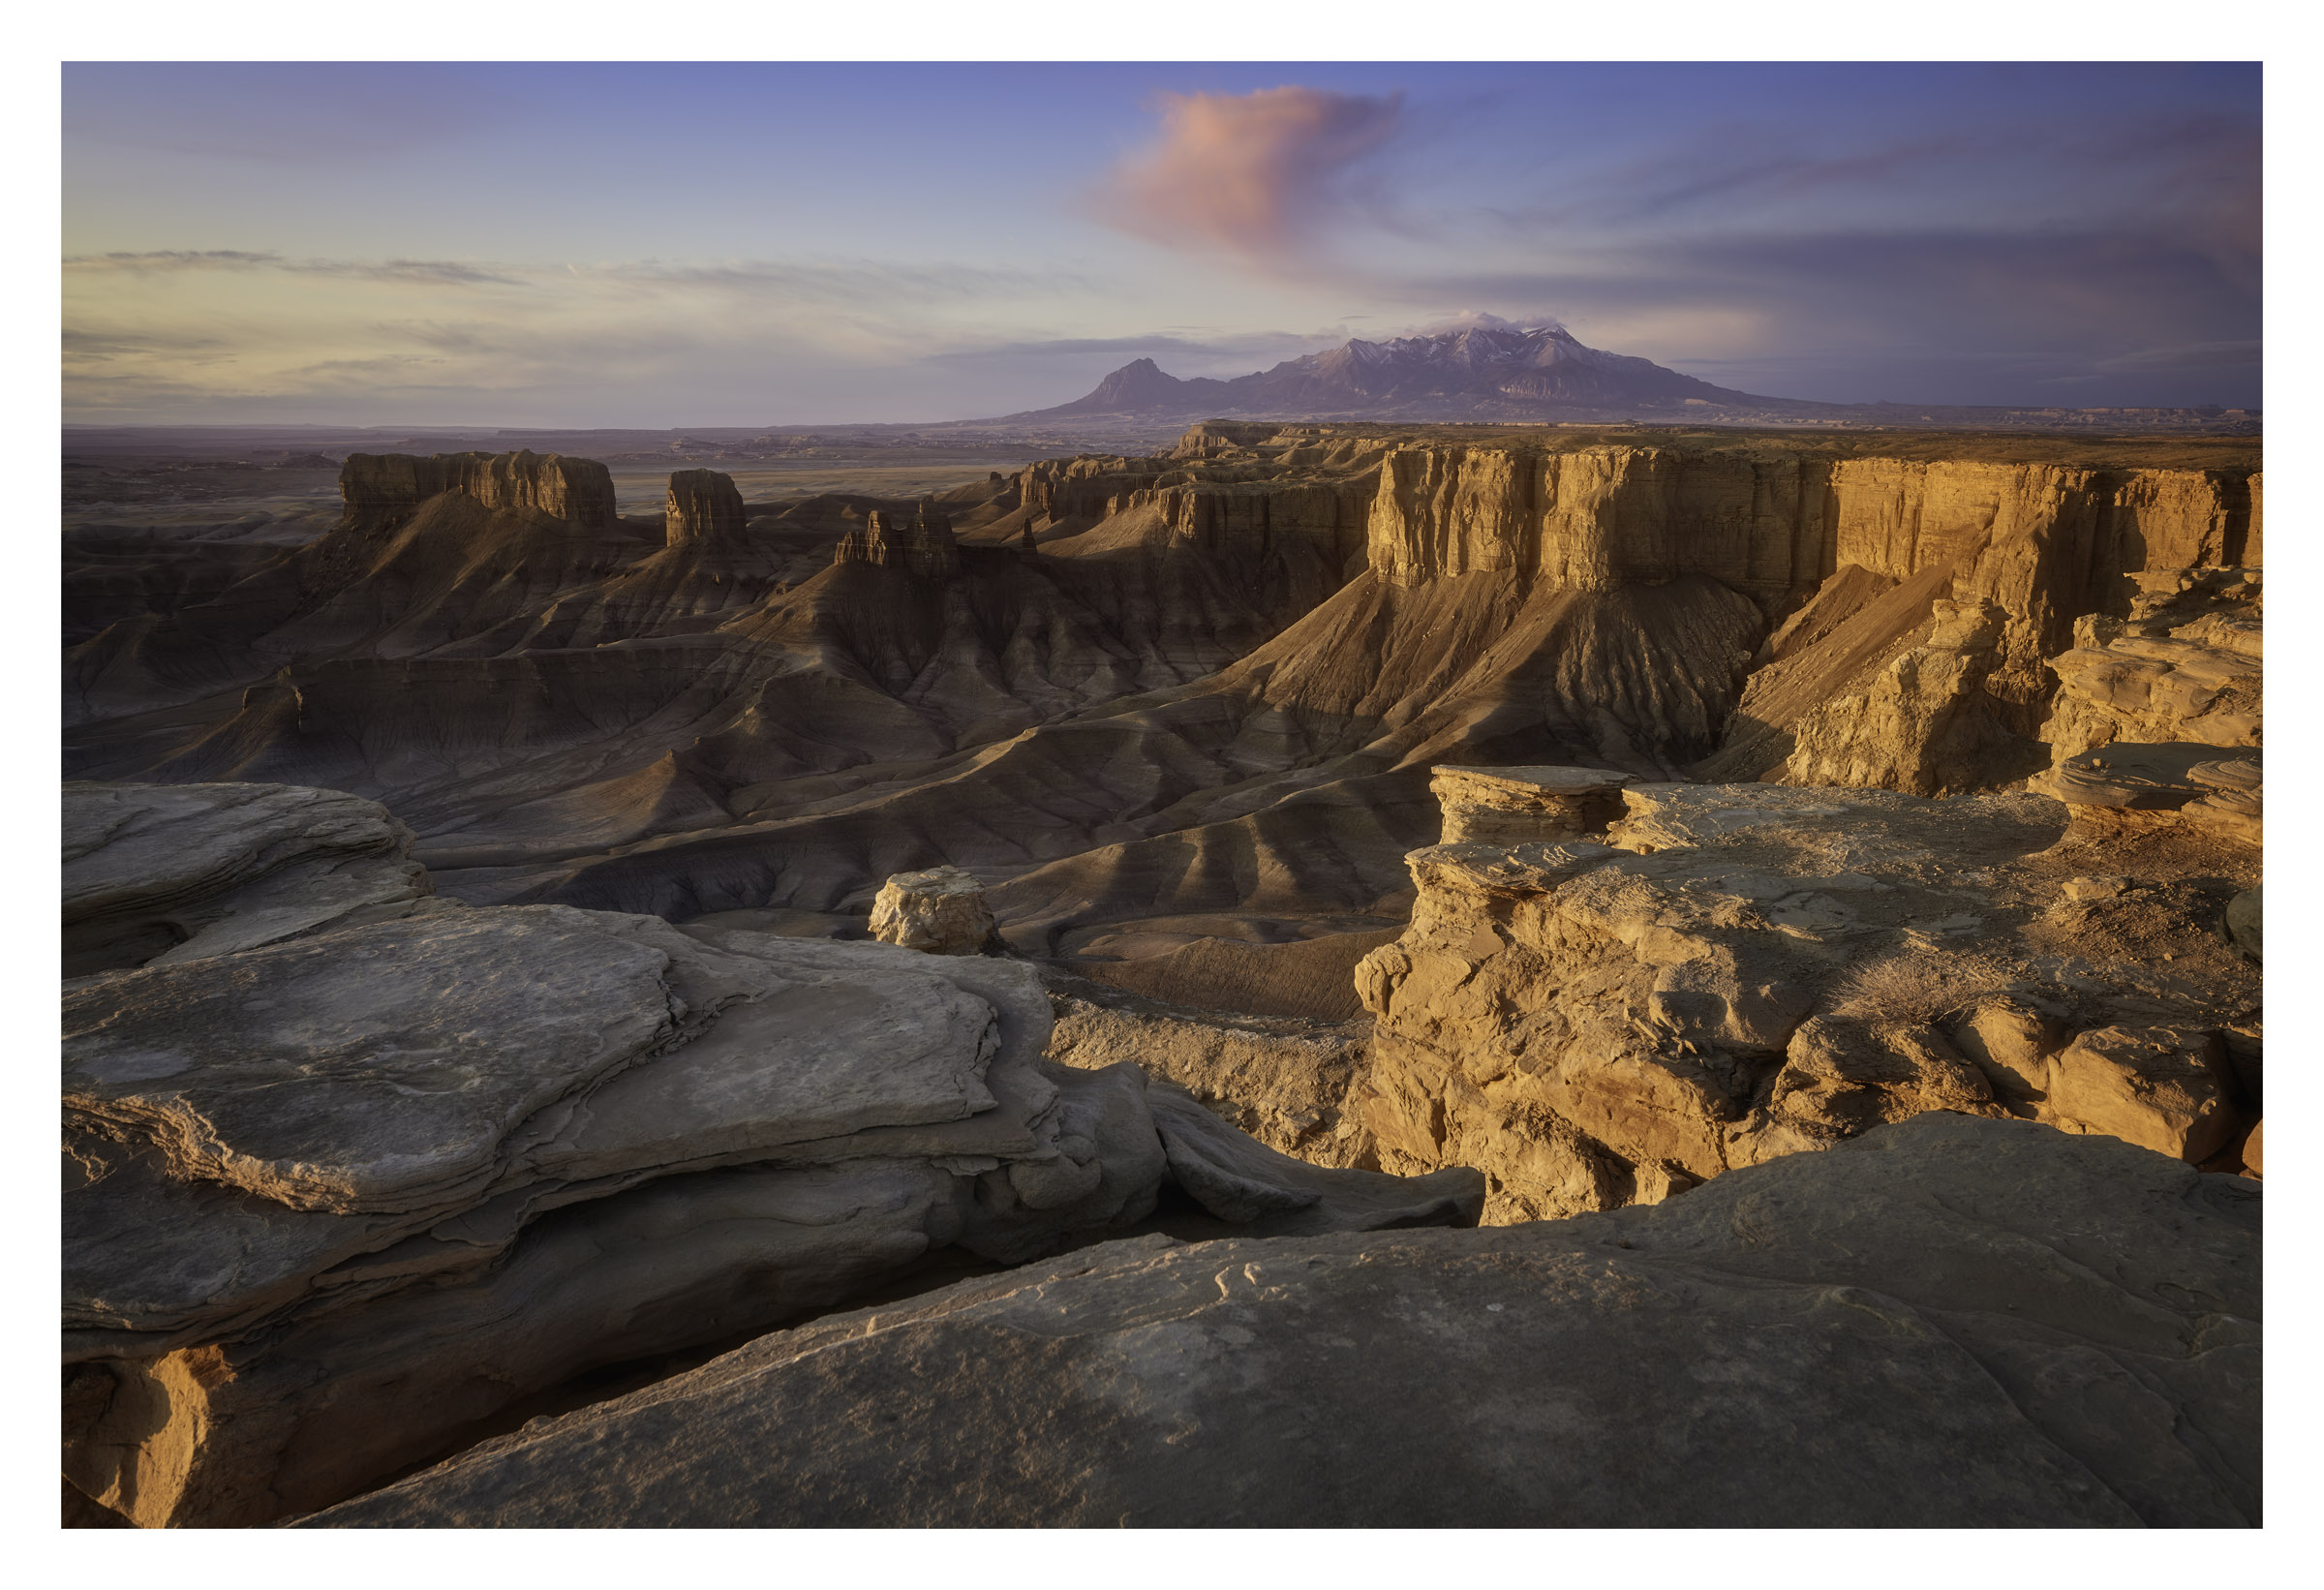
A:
(671, 245)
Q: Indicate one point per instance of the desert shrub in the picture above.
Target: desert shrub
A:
(1918, 986)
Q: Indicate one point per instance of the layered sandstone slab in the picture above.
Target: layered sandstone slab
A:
(1525, 804)
(2121, 787)
(2183, 666)
(179, 873)
(1946, 1323)
(330, 1201)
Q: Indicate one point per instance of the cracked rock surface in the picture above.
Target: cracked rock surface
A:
(1746, 971)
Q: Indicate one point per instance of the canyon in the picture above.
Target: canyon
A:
(1536, 893)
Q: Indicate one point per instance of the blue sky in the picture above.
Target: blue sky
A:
(722, 244)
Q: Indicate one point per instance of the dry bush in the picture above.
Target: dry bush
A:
(1918, 986)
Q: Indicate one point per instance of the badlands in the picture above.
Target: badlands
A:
(1328, 974)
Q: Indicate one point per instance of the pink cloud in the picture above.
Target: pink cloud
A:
(1250, 174)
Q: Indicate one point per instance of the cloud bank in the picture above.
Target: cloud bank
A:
(1252, 175)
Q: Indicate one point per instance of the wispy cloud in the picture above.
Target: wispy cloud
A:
(95, 347)
(849, 281)
(2202, 355)
(1252, 175)
(161, 260)
(426, 272)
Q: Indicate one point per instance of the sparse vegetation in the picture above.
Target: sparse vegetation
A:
(1918, 986)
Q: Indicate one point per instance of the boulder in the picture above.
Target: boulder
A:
(942, 911)
(1946, 1323)
(2163, 1089)
(2244, 921)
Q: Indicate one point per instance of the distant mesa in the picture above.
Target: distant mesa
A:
(704, 505)
(393, 485)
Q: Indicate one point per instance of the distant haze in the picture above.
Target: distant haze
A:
(675, 245)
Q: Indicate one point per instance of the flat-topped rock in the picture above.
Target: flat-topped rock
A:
(1525, 804)
(374, 1069)
(177, 873)
(2124, 785)
(1946, 1323)
(1528, 781)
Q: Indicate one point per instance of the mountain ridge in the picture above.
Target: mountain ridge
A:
(1480, 371)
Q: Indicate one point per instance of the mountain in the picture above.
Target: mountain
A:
(1140, 387)
(1483, 373)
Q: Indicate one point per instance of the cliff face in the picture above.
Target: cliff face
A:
(1858, 552)
(391, 486)
(1776, 525)
(703, 506)
(1599, 517)
(1231, 507)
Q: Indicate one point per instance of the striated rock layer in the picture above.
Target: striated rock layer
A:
(1948, 1323)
